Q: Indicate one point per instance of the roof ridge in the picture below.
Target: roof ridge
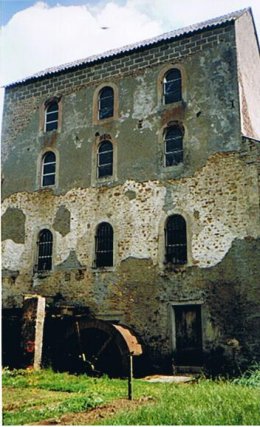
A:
(133, 46)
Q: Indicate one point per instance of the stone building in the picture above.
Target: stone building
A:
(130, 213)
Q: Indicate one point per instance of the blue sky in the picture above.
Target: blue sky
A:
(10, 7)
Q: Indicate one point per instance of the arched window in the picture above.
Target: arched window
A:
(106, 103)
(104, 245)
(176, 240)
(105, 159)
(45, 250)
(173, 143)
(172, 86)
(48, 169)
(51, 116)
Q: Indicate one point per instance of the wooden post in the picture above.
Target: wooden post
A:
(130, 377)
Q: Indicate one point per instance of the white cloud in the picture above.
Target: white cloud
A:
(42, 36)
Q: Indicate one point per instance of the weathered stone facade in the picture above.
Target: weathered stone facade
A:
(215, 189)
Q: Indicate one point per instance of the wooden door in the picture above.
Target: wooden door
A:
(188, 335)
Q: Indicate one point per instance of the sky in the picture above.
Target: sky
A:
(36, 35)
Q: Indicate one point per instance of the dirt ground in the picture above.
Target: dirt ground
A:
(94, 415)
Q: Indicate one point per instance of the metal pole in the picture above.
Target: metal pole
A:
(130, 378)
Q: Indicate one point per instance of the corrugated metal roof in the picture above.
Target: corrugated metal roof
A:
(135, 46)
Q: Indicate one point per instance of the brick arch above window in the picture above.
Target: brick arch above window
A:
(105, 103)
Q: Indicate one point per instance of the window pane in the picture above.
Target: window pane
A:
(173, 146)
(49, 168)
(51, 126)
(49, 157)
(174, 159)
(45, 251)
(106, 111)
(52, 107)
(105, 170)
(51, 117)
(106, 103)
(106, 92)
(105, 158)
(104, 245)
(48, 180)
(172, 86)
(176, 240)
(105, 146)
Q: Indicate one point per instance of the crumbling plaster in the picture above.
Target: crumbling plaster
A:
(215, 201)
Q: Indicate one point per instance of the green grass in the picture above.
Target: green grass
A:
(30, 397)
(205, 403)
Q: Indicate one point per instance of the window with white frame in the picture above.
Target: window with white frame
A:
(105, 159)
(51, 116)
(48, 169)
(173, 146)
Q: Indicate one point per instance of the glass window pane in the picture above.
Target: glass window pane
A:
(52, 107)
(48, 180)
(104, 245)
(106, 103)
(106, 170)
(50, 117)
(172, 86)
(49, 168)
(51, 126)
(49, 157)
(105, 146)
(105, 158)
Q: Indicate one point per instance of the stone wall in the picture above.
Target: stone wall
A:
(216, 190)
(140, 290)
(208, 113)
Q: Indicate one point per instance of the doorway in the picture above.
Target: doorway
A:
(188, 335)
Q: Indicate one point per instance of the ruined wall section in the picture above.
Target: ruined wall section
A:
(208, 114)
(217, 203)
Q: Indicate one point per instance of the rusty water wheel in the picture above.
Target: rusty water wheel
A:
(96, 347)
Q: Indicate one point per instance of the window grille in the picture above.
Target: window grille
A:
(51, 116)
(105, 159)
(48, 169)
(173, 146)
(172, 86)
(104, 245)
(106, 103)
(176, 240)
(45, 250)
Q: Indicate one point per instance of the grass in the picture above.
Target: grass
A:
(30, 397)
(205, 403)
